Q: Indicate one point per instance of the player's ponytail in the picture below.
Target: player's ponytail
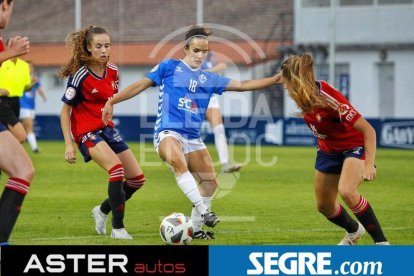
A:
(299, 73)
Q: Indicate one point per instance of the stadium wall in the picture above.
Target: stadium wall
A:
(254, 130)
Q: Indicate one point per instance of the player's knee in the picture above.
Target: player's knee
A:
(20, 136)
(179, 166)
(30, 173)
(324, 208)
(348, 196)
(24, 171)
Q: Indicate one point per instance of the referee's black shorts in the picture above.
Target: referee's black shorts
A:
(9, 110)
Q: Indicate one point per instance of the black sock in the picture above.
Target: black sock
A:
(106, 205)
(343, 219)
(117, 202)
(365, 214)
(116, 195)
(10, 204)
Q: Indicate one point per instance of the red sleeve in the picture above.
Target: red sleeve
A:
(346, 111)
(1, 48)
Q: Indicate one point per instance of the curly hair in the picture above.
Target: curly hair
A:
(298, 72)
(196, 31)
(81, 56)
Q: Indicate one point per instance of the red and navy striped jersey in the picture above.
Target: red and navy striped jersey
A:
(333, 128)
(87, 94)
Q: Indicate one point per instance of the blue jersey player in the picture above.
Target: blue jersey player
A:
(185, 92)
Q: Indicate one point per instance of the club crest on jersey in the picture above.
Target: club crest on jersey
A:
(70, 93)
(115, 85)
(202, 78)
(343, 109)
(319, 118)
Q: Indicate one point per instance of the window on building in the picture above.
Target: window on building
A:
(316, 3)
(390, 2)
(342, 78)
(386, 88)
(356, 2)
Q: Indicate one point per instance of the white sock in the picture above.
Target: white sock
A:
(189, 186)
(197, 219)
(220, 140)
(31, 139)
(196, 215)
(207, 201)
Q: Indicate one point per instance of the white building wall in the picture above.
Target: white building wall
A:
(365, 25)
(355, 24)
(404, 82)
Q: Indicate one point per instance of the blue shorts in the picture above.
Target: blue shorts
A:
(109, 135)
(328, 162)
(2, 127)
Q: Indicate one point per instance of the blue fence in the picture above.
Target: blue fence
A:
(393, 133)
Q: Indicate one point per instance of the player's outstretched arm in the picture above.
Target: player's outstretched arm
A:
(129, 92)
(250, 85)
(18, 46)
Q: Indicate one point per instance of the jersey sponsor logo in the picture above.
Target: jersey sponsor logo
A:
(187, 104)
(350, 115)
(70, 93)
(178, 69)
(202, 78)
(94, 91)
(316, 133)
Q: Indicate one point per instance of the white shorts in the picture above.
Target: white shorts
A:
(27, 113)
(214, 102)
(188, 145)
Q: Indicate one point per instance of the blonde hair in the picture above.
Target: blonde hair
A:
(81, 56)
(298, 73)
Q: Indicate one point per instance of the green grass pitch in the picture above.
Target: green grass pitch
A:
(264, 204)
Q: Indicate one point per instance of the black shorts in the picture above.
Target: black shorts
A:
(2, 127)
(9, 110)
(109, 135)
(328, 162)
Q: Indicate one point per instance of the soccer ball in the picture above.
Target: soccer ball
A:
(176, 229)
